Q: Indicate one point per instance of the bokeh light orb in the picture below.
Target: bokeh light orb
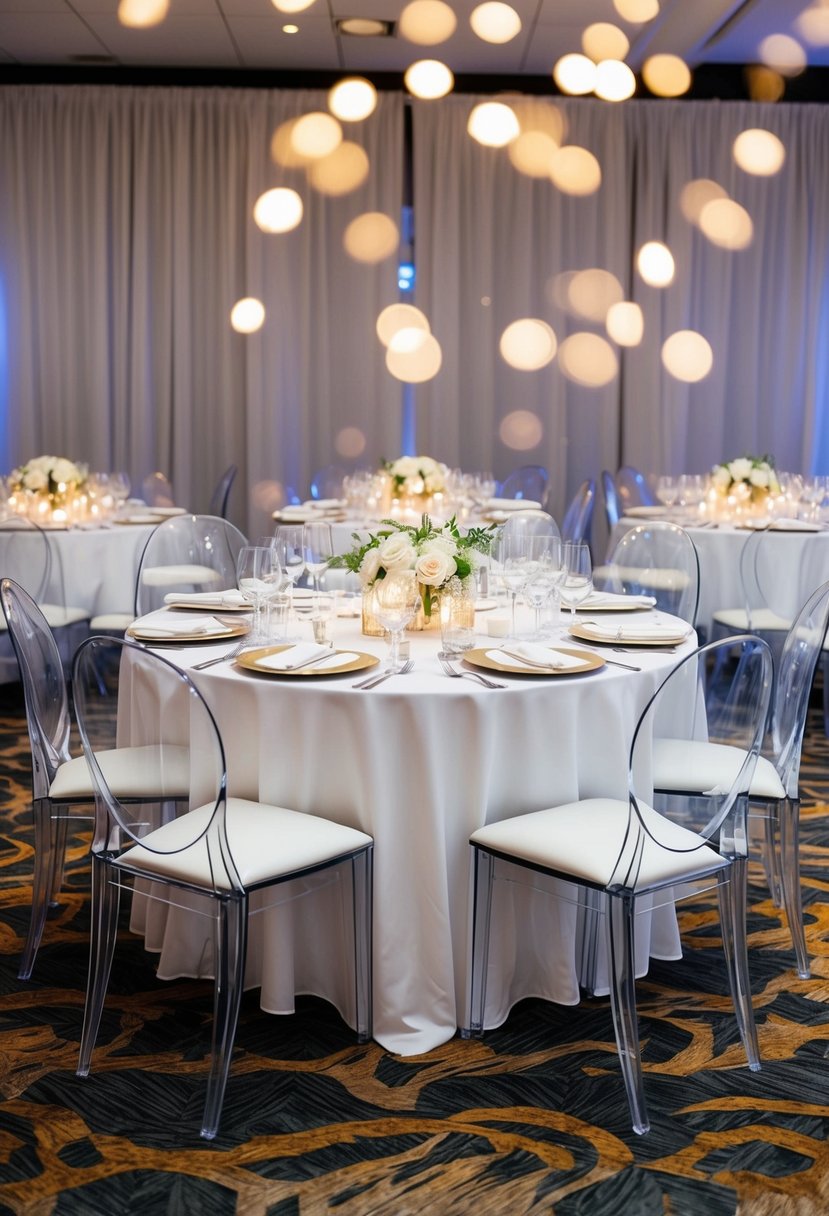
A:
(759, 152)
(575, 170)
(429, 79)
(315, 135)
(666, 75)
(400, 316)
(604, 41)
(278, 210)
(352, 99)
(625, 323)
(140, 14)
(343, 171)
(532, 153)
(528, 344)
(427, 22)
(371, 237)
(416, 365)
(726, 224)
(614, 80)
(588, 359)
(521, 431)
(247, 315)
(655, 264)
(350, 442)
(782, 54)
(687, 356)
(575, 74)
(695, 194)
(591, 292)
(495, 22)
(637, 11)
(493, 124)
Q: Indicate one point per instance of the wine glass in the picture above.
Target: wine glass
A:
(254, 568)
(509, 563)
(667, 490)
(317, 548)
(119, 487)
(394, 601)
(578, 576)
(545, 570)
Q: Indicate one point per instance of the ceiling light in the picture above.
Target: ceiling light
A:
(138, 14)
(291, 6)
(495, 22)
(290, 29)
(427, 22)
(364, 27)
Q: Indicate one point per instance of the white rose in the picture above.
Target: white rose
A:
(721, 475)
(42, 462)
(397, 552)
(740, 469)
(439, 544)
(406, 466)
(759, 476)
(426, 465)
(65, 471)
(434, 568)
(369, 567)
(35, 479)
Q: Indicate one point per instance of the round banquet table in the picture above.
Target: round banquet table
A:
(800, 557)
(419, 763)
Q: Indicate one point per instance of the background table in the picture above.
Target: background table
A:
(419, 763)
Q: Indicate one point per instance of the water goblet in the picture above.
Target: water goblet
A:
(254, 566)
(509, 563)
(317, 548)
(545, 573)
(394, 601)
(577, 582)
(667, 490)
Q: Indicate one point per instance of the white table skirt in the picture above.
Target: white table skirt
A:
(419, 763)
(799, 556)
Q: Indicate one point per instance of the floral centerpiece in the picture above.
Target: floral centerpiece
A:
(443, 558)
(745, 484)
(416, 475)
(52, 481)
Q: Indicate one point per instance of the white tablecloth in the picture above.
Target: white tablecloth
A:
(419, 763)
(800, 557)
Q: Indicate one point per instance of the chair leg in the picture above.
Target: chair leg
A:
(770, 855)
(231, 927)
(484, 867)
(106, 899)
(44, 848)
(732, 900)
(362, 867)
(790, 881)
(60, 833)
(620, 952)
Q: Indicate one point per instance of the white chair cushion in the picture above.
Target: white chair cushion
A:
(131, 772)
(111, 622)
(172, 576)
(265, 841)
(661, 578)
(58, 617)
(585, 839)
(696, 765)
(763, 620)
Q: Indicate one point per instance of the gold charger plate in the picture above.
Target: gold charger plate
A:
(137, 520)
(232, 609)
(232, 631)
(590, 662)
(251, 660)
(664, 639)
(588, 607)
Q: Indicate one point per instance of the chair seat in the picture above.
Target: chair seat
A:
(683, 765)
(660, 578)
(763, 620)
(267, 842)
(111, 622)
(172, 576)
(131, 772)
(585, 839)
(57, 617)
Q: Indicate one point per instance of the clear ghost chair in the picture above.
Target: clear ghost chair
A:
(61, 782)
(157, 490)
(657, 559)
(624, 855)
(530, 481)
(221, 492)
(612, 503)
(689, 768)
(633, 489)
(577, 523)
(187, 553)
(212, 857)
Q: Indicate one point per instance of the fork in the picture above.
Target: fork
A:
(222, 658)
(449, 670)
(373, 681)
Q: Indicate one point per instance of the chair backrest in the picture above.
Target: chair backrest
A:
(328, 481)
(157, 490)
(761, 559)
(657, 559)
(529, 523)
(612, 506)
(678, 711)
(530, 481)
(633, 489)
(26, 555)
(187, 553)
(44, 686)
(129, 697)
(578, 518)
(221, 492)
(795, 673)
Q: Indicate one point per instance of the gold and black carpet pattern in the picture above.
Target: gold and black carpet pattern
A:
(533, 1119)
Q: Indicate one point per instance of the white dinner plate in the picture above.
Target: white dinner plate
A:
(257, 660)
(485, 657)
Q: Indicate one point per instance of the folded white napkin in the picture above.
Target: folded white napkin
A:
(652, 631)
(168, 625)
(795, 525)
(208, 599)
(533, 657)
(301, 656)
(512, 504)
(324, 504)
(610, 599)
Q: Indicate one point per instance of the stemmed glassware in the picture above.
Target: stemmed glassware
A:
(317, 548)
(394, 602)
(254, 570)
(545, 571)
(119, 487)
(290, 550)
(578, 576)
(667, 490)
(509, 563)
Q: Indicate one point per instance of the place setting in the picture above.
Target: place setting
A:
(168, 626)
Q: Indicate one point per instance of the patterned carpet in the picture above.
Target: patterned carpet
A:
(532, 1119)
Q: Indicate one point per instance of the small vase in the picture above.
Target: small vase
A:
(457, 616)
(371, 626)
(421, 621)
